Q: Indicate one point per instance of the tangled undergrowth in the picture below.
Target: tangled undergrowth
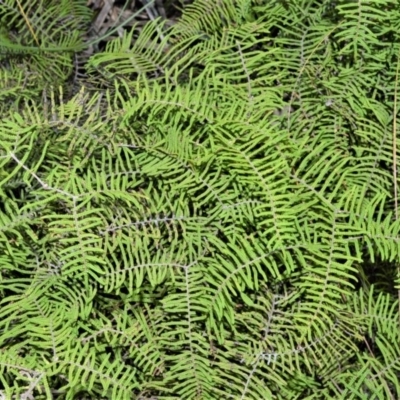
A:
(203, 207)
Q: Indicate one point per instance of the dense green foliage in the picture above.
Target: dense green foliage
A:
(211, 214)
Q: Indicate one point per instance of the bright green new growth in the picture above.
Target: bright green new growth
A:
(168, 233)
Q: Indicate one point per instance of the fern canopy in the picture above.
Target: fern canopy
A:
(211, 214)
